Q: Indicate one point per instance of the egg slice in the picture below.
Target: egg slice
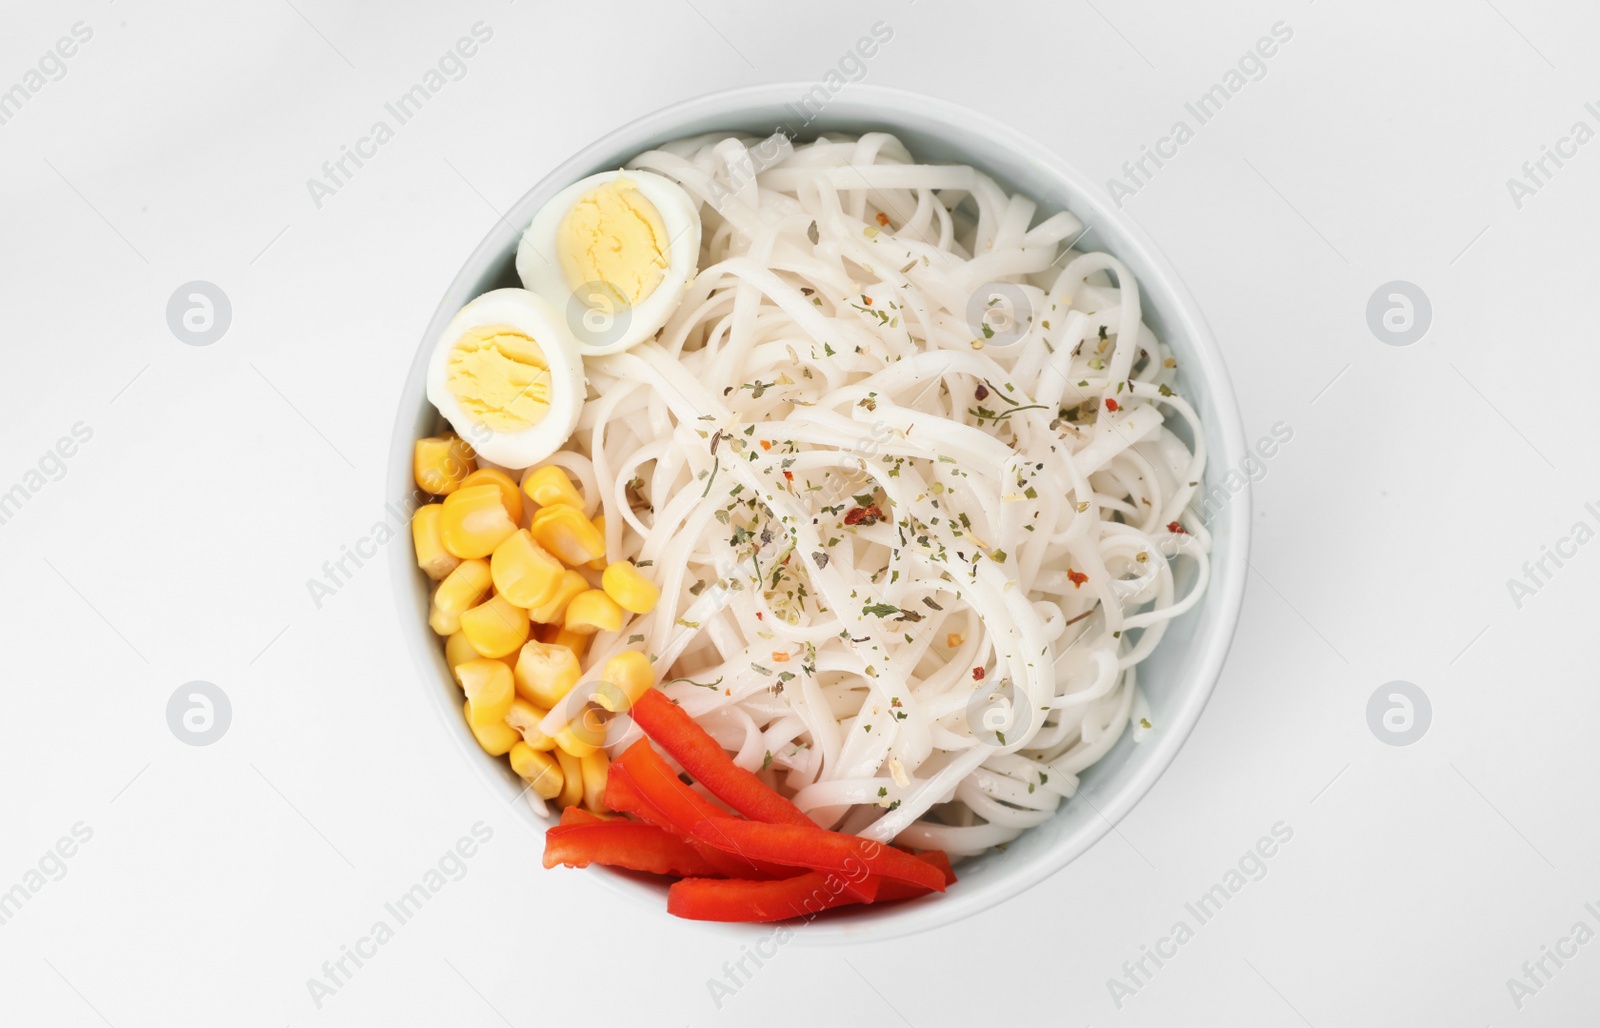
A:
(614, 252)
(508, 377)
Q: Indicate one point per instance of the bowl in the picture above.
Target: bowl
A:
(1177, 678)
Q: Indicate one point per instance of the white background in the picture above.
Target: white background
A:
(218, 479)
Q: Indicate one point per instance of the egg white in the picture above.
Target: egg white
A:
(599, 327)
(534, 317)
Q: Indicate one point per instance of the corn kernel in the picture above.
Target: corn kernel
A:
(575, 742)
(496, 738)
(428, 543)
(496, 627)
(632, 591)
(577, 642)
(585, 733)
(523, 572)
(460, 591)
(549, 485)
(440, 463)
(593, 611)
(489, 690)
(546, 673)
(525, 718)
(510, 495)
(458, 649)
(475, 521)
(593, 771)
(564, 531)
(571, 793)
(555, 608)
(631, 676)
(540, 770)
(599, 563)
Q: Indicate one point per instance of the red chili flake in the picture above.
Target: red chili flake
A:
(1175, 528)
(977, 674)
(866, 299)
(883, 219)
(1077, 578)
(980, 392)
(868, 515)
(766, 444)
(1111, 404)
(789, 475)
(759, 617)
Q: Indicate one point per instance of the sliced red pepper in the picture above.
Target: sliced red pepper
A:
(623, 793)
(579, 816)
(656, 783)
(709, 899)
(707, 763)
(899, 890)
(662, 799)
(820, 850)
(629, 844)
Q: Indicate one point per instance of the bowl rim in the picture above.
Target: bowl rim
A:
(1224, 437)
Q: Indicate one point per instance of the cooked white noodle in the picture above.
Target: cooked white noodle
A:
(821, 343)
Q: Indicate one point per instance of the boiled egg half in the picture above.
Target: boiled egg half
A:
(614, 252)
(508, 377)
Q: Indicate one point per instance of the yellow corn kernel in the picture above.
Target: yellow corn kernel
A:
(460, 591)
(577, 642)
(594, 768)
(549, 485)
(458, 649)
(571, 793)
(525, 718)
(554, 609)
(599, 563)
(593, 611)
(540, 770)
(523, 572)
(546, 673)
(475, 521)
(631, 675)
(510, 496)
(564, 531)
(440, 463)
(586, 732)
(428, 543)
(496, 627)
(489, 690)
(496, 738)
(633, 592)
(573, 743)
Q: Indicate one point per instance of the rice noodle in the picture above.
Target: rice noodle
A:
(940, 676)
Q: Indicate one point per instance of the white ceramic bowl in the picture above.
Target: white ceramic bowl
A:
(1177, 679)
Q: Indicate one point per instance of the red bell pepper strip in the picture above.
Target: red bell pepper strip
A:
(710, 899)
(657, 783)
(707, 899)
(707, 763)
(891, 891)
(820, 850)
(658, 796)
(629, 844)
(622, 793)
(579, 816)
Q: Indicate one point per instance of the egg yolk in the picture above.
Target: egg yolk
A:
(615, 237)
(500, 377)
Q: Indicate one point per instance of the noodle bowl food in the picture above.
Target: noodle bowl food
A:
(837, 483)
